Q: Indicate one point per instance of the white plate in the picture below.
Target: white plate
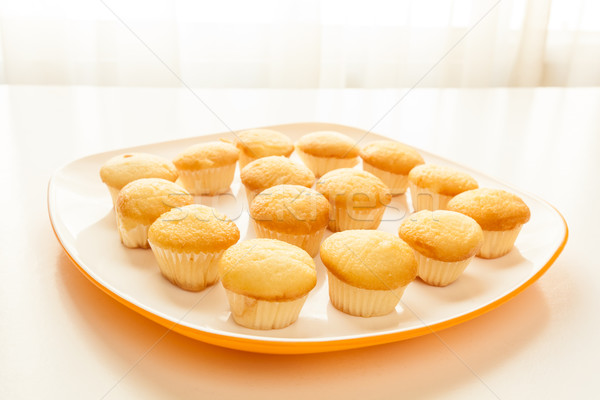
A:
(81, 213)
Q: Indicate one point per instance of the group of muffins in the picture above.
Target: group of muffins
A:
(268, 279)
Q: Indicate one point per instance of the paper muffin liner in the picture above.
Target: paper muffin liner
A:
(439, 273)
(396, 182)
(263, 314)
(498, 243)
(114, 193)
(134, 237)
(250, 195)
(309, 242)
(192, 271)
(362, 302)
(208, 181)
(349, 218)
(424, 199)
(321, 165)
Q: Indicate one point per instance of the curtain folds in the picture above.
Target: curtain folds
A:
(301, 44)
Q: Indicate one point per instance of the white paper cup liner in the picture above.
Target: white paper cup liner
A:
(439, 273)
(308, 242)
(321, 165)
(114, 193)
(362, 302)
(498, 243)
(424, 199)
(354, 218)
(262, 314)
(192, 271)
(250, 195)
(209, 181)
(396, 182)
(134, 237)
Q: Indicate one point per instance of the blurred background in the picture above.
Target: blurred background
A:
(301, 44)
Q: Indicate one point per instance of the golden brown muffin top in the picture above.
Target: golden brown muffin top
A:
(369, 259)
(328, 144)
(440, 179)
(193, 228)
(442, 235)
(275, 170)
(291, 209)
(268, 269)
(144, 200)
(391, 156)
(493, 209)
(124, 168)
(353, 187)
(206, 155)
(258, 143)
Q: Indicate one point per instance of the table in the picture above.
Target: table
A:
(61, 337)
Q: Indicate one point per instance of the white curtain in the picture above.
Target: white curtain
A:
(301, 44)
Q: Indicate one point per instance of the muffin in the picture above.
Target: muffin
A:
(291, 213)
(432, 186)
(141, 202)
(391, 162)
(499, 213)
(358, 198)
(444, 243)
(274, 170)
(258, 143)
(122, 169)
(207, 168)
(266, 282)
(188, 243)
(325, 151)
(367, 271)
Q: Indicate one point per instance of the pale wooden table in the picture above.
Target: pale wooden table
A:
(61, 337)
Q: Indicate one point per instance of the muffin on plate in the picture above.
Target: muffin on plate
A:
(444, 243)
(291, 213)
(271, 171)
(141, 202)
(391, 162)
(258, 143)
(188, 243)
(124, 168)
(432, 186)
(367, 271)
(358, 198)
(499, 213)
(266, 282)
(207, 168)
(324, 151)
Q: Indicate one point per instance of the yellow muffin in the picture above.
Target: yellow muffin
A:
(258, 143)
(274, 170)
(188, 243)
(292, 213)
(499, 213)
(325, 151)
(367, 271)
(207, 168)
(141, 202)
(432, 186)
(122, 169)
(444, 243)
(391, 162)
(357, 198)
(266, 282)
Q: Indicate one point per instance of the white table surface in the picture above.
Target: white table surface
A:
(61, 337)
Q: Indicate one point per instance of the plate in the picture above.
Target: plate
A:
(81, 214)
